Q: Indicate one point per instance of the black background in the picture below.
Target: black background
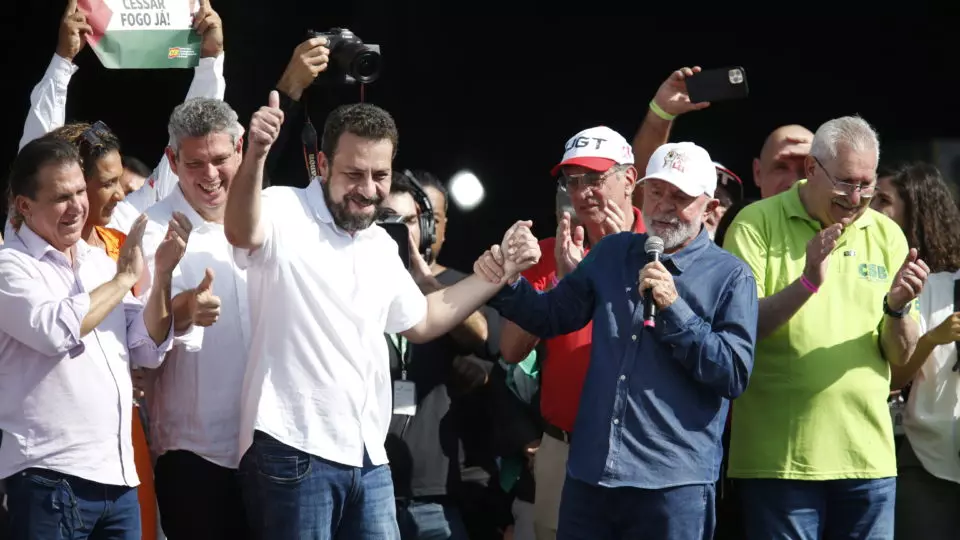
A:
(499, 92)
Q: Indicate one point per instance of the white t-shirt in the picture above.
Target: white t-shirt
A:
(318, 377)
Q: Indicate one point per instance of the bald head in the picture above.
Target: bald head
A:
(781, 159)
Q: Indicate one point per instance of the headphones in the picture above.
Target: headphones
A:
(428, 222)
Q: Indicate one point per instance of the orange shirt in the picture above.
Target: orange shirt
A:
(113, 240)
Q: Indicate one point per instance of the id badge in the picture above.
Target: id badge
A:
(405, 398)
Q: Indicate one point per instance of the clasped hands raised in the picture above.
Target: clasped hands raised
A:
(504, 262)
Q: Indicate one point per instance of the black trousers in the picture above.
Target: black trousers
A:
(199, 500)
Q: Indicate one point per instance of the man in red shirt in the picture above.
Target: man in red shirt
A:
(597, 173)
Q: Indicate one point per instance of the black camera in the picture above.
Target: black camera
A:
(351, 60)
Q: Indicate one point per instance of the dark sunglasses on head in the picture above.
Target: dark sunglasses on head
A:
(95, 134)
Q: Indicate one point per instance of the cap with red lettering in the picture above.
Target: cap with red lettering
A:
(684, 165)
(597, 149)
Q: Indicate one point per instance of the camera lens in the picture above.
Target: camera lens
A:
(365, 67)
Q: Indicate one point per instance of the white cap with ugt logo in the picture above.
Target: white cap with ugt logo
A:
(684, 165)
(597, 149)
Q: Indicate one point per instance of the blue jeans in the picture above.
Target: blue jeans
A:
(810, 510)
(292, 495)
(420, 520)
(46, 505)
(589, 512)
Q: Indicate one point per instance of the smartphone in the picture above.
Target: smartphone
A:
(721, 84)
(401, 234)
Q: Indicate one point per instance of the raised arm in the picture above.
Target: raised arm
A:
(208, 82)
(309, 59)
(241, 222)
(670, 101)
(48, 100)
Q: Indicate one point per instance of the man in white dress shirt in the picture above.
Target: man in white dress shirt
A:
(69, 331)
(325, 285)
(194, 402)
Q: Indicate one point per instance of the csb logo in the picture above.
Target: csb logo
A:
(174, 52)
(873, 272)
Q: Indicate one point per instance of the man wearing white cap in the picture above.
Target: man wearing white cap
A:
(597, 178)
(646, 454)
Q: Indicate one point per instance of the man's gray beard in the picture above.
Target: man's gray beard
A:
(673, 236)
(343, 218)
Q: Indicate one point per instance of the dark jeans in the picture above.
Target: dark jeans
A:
(292, 495)
(810, 510)
(198, 500)
(46, 505)
(589, 512)
(421, 520)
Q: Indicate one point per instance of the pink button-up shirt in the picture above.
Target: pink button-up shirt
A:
(66, 401)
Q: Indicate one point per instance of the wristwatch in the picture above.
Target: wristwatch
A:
(895, 314)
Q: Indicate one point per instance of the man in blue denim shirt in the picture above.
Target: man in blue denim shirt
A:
(655, 399)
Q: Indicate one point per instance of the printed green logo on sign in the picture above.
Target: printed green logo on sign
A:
(873, 272)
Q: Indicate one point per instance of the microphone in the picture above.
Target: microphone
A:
(654, 248)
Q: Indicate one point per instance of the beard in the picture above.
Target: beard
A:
(671, 230)
(342, 216)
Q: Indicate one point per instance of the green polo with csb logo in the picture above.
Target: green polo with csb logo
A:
(816, 406)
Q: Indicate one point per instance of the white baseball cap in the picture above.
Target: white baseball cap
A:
(597, 149)
(684, 165)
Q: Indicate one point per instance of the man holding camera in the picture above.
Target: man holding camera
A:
(646, 453)
(324, 288)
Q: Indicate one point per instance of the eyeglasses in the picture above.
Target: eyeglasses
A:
(848, 188)
(595, 179)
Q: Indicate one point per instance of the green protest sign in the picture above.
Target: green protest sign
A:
(143, 34)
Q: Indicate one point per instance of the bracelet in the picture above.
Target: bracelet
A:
(660, 112)
(808, 285)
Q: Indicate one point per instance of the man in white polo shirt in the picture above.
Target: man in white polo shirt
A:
(324, 286)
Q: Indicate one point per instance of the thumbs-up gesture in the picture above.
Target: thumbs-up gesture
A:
(206, 306)
(569, 247)
(265, 126)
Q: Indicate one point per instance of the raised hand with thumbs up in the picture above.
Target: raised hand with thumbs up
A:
(205, 306)
(265, 127)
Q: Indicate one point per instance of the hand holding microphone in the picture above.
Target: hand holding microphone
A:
(656, 283)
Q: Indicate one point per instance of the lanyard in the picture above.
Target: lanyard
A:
(402, 346)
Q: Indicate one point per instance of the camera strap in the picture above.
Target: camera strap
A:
(311, 149)
(311, 153)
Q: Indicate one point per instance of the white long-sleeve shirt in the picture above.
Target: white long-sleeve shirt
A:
(48, 109)
(66, 400)
(195, 397)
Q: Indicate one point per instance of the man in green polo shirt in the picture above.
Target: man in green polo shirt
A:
(812, 444)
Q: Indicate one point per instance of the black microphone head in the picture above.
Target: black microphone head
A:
(654, 244)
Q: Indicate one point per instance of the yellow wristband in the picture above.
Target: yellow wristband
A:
(660, 112)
